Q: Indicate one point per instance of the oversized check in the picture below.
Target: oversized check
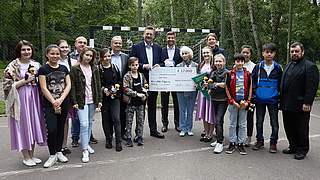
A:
(172, 79)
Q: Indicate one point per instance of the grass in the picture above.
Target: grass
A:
(2, 107)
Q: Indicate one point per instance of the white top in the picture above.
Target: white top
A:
(269, 68)
(149, 53)
(66, 64)
(171, 51)
(249, 66)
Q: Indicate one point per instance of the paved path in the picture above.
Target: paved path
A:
(172, 158)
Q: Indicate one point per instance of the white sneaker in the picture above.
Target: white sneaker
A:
(90, 150)
(61, 157)
(36, 160)
(190, 133)
(182, 134)
(218, 149)
(51, 161)
(85, 156)
(213, 144)
(29, 162)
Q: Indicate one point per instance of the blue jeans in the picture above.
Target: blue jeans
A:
(85, 117)
(186, 101)
(273, 113)
(75, 128)
(237, 116)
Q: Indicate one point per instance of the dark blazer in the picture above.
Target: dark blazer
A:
(124, 64)
(176, 57)
(299, 85)
(139, 50)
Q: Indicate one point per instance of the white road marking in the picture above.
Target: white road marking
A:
(316, 116)
(3, 175)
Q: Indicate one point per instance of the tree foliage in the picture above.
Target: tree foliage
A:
(253, 22)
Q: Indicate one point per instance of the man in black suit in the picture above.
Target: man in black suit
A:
(299, 85)
(171, 57)
(149, 55)
(120, 59)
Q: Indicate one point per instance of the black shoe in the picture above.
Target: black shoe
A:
(299, 156)
(241, 149)
(157, 135)
(93, 140)
(164, 129)
(108, 145)
(207, 139)
(118, 147)
(258, 145)
(135, 139)
(65, 151)
(202, 139)
(231, 148)
(129, 143)
(203, 134)
(74, 142)
(177, 129)
(140, 141)
(288, 151)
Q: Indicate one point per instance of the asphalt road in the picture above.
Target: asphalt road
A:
(171, 158)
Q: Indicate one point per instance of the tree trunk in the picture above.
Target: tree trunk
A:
(275, 20)
(234, 28)
(254, 26)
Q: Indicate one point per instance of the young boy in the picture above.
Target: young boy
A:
(238, 89)
(133, 84)
(266, 77)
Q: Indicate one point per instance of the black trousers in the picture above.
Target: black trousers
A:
(152, 111)
(220, 108)
(296, 125)
(55, 127)
(110, 113)
(165, 108)
(123, 107)
(250, 123)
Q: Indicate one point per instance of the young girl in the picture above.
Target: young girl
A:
(23, 102)
(219, 98)
(67, 61)
(110, 86)
(55, 85)
(205, 107)
(186, 100)
(86, 96)
(133, 85)
(246, 50)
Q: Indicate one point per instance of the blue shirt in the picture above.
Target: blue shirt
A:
(240, 85)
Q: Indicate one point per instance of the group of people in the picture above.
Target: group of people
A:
(42, 99)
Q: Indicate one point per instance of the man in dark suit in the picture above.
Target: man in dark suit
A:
(149, 55)
(299, 85)
(120, 59)
(171, 57)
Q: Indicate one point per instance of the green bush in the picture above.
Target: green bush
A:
(2, 107)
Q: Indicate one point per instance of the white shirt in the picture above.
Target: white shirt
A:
(249, 66)
(149, 53)
(116, 60)
(268, 68)
(171, 52)
(66, 64)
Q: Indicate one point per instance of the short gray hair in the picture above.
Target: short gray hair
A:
(186, 49)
